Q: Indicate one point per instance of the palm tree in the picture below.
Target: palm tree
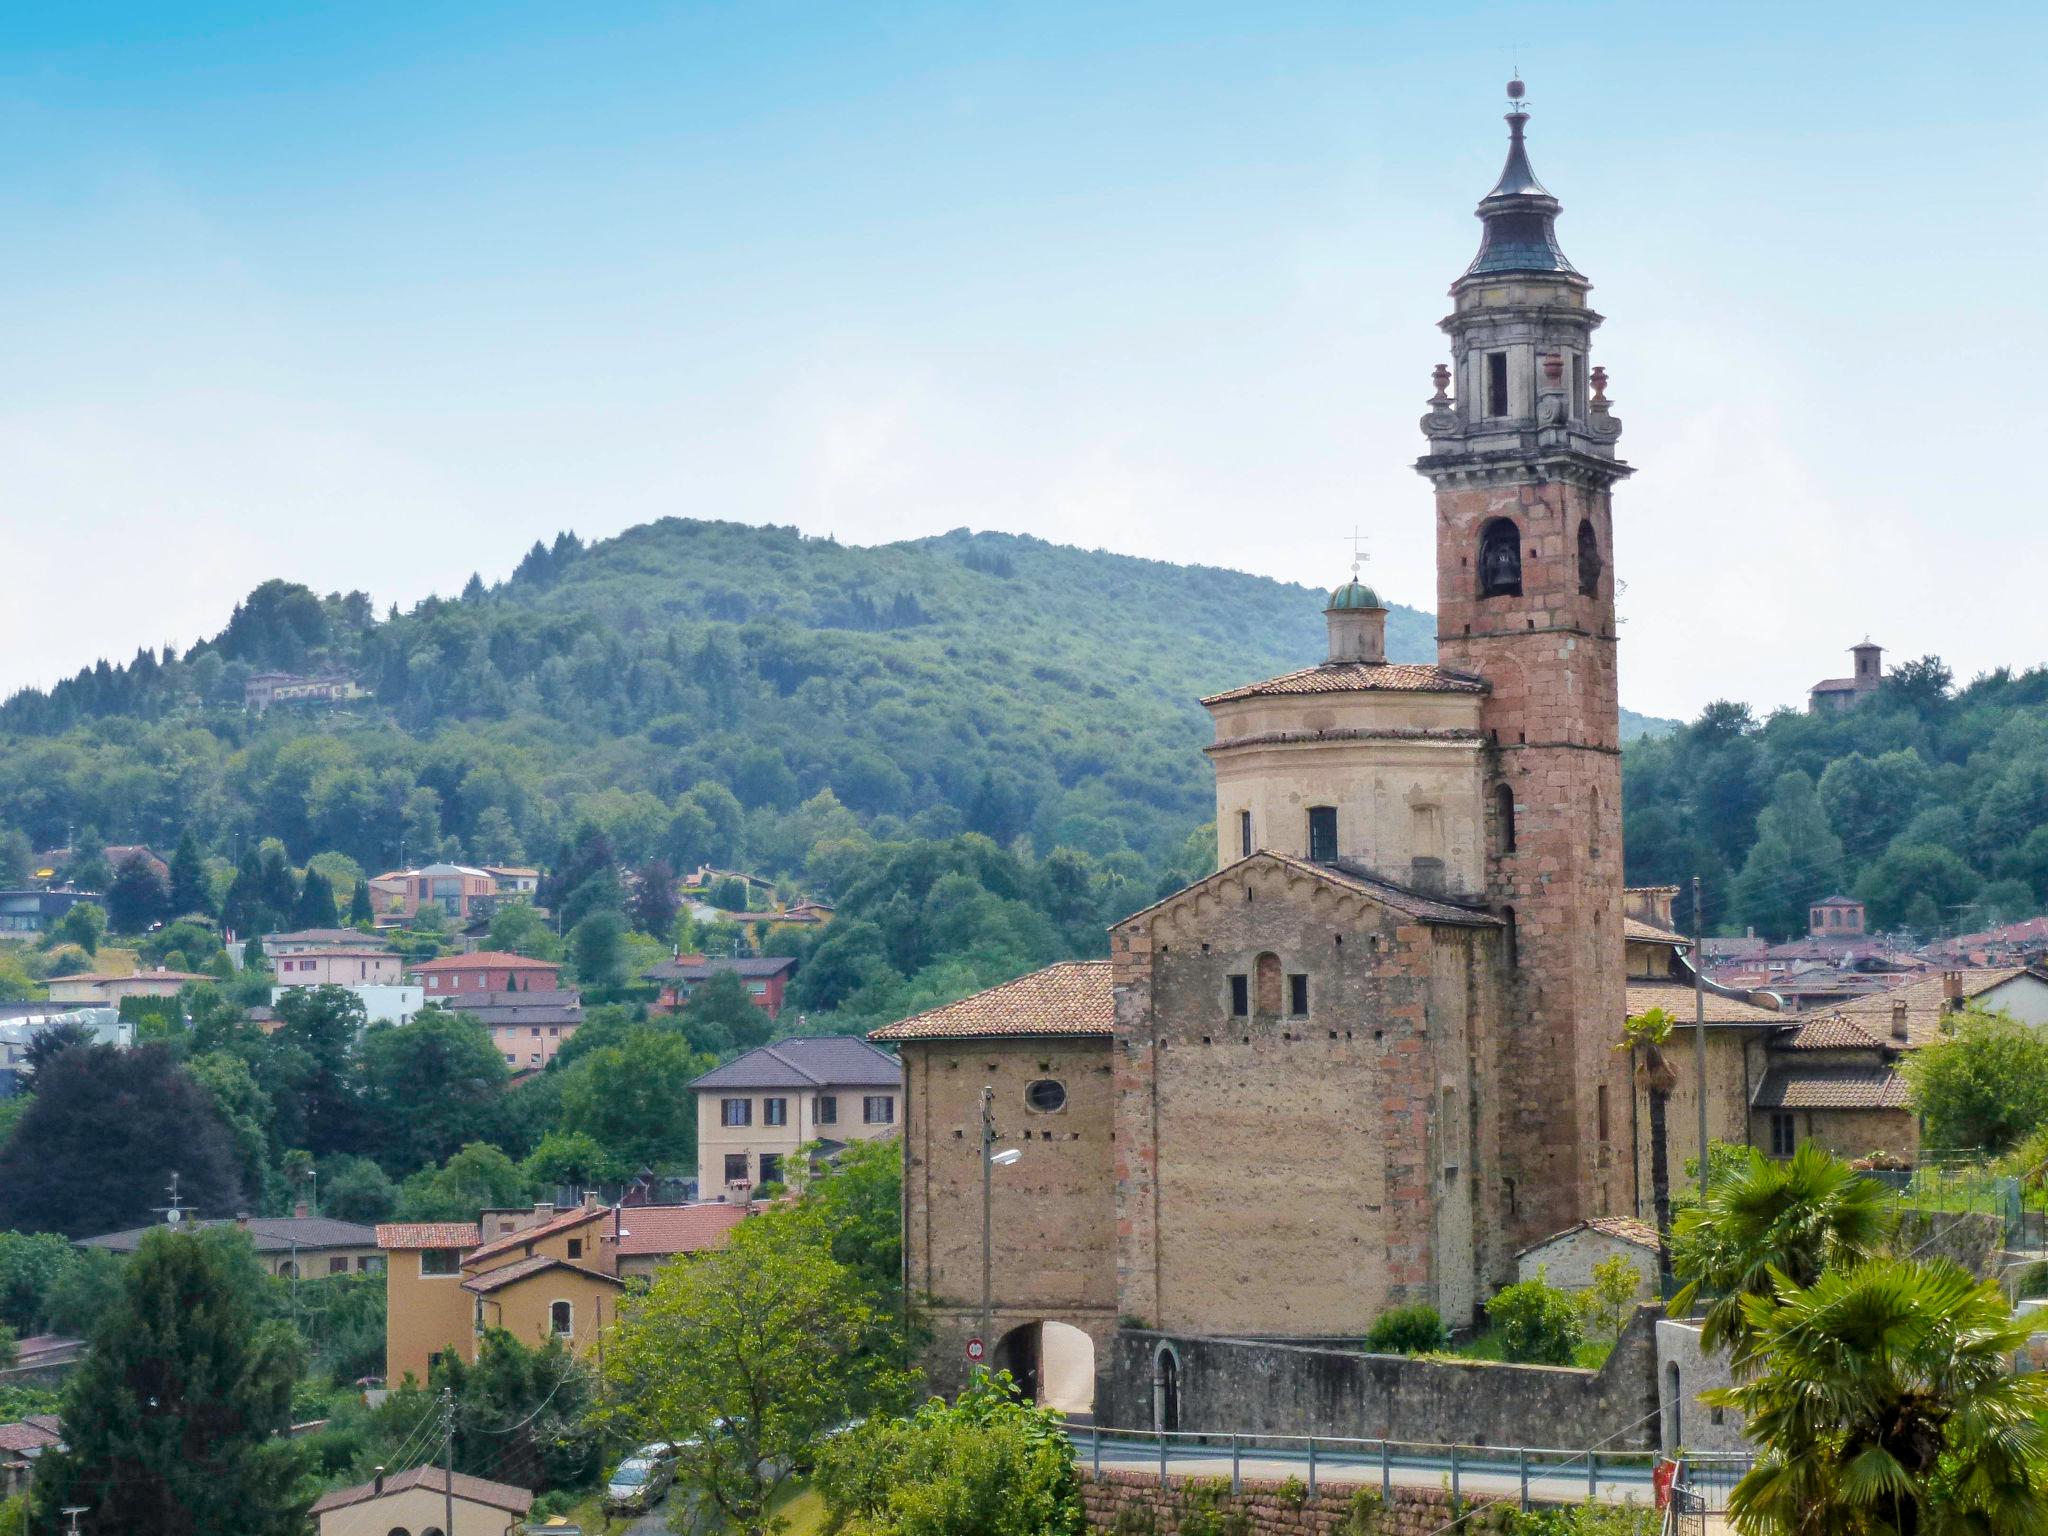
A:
(1887, 1406)
(1770, 1223)
(1648, 1031)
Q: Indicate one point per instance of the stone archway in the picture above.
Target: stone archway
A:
(1053, 1364)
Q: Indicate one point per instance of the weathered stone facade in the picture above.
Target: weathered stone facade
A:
(1271, 1508)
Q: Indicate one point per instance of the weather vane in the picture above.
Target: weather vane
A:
(1358, 554)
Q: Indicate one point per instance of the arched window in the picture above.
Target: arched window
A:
(1500, 559)
(1269, 983)
(562, 1319)
(1504, 815)
(1166, 1389)
(1589, 559)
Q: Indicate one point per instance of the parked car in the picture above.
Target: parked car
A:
(638, 1483)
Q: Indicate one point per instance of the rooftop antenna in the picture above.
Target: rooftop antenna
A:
(175, 1211)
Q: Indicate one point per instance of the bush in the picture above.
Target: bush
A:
(1408, 1331)
(1537, 1323)
(1204, 1511)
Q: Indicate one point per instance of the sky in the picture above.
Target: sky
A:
(373, 296)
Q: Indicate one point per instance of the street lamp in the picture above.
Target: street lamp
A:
(991, 1160)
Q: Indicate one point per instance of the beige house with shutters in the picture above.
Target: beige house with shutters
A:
(754, 1112)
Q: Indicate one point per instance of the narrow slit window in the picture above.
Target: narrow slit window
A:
(1244, 834)
(1496, 383)
(1297, 995)
(1240, 996)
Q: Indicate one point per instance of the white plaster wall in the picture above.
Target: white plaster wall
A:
(1687, 1421)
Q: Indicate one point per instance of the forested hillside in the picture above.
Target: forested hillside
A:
(1927, 801)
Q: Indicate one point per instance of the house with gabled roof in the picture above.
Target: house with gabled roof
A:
(419, 1499)
(756, 1110)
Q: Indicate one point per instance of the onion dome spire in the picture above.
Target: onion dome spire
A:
(1519, 215)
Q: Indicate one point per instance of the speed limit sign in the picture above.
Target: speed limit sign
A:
(975, 1350)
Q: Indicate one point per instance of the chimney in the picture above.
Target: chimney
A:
(1952, 991)
(1899, 1019)
(544, 1210)
(377, 1484)
(242, 1219)
(301, 1211)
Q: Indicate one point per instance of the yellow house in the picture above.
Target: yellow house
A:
(554, 1277)
(756, 1110)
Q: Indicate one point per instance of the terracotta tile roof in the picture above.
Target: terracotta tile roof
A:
(484, 959)
(1069, 998)
(478, 1490)
(1867, 1021)
(1358, 677)
(1803, 1087)
(1649, 933)
(1347, 876)
(511, 1274)
(38, 1432)
(427, 1234)
(321, 936)
(697, 968)
(1675, 998)
(1832, 1033)
(666, 1229)
(568, 1221)
(1624, 1228)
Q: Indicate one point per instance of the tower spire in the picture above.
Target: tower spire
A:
(1519, 214)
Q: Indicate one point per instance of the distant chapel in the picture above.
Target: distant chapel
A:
(1373, 1055)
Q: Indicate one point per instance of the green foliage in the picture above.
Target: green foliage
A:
(84, 925)
(1796, 854)
(137, 896)
(1537, 1323)
(1610, 1301)
(1205, 1510)
(572, 1158)
(1885, 1401)
(97, 1145)
(1363, 1514)
(1985, 1087)
(430, 1087)
(722, 1017)
(516, 929)
(987, 1463)
(341, 1319)
(597, 949)
(478, 1175)
(524, 1415)
(174, 1421)
(1292, 1492)
(633, 1099)
(747, 1355)
(1415, 1330)
(356, 1189)
(1767, 1222)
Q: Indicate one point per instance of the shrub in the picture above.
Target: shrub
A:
(1135, 1520)
(1408, 1331)
(1537, 1323)
(1362, 1517)
(1203, 1511)
(1293, 1492)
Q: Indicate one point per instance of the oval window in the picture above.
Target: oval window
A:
(1045, 1095)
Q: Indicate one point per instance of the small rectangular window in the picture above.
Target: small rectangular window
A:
(1240, 996)
(736, 1112)
(575, 1247)
(1602, 1095)
(1244, 834)
(735, 1167)
(1322, 834)
(1496, 383)
(1784, 1135)
(775, 1111)
(878, 1109)
(337, 1266)
(440, 1261)
(828, 1109)
(1578, 383)
(1297, 996)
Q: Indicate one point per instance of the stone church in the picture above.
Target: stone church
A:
(1373, 1055)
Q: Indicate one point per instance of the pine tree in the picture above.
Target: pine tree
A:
(315, 907)
(175, 1421)
(190, 889)
(360, 913)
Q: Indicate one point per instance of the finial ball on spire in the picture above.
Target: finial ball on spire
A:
(1516, 89)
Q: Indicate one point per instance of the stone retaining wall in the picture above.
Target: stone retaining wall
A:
(1273, 1509)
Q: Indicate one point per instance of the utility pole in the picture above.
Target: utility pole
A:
(72, 1512)
(1699, 1031)
(448, 1459)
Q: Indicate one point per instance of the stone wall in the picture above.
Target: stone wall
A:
(1273, 1509)
(1254, 1387)
(1973, 1239)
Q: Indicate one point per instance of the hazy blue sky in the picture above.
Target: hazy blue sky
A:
(374, 295)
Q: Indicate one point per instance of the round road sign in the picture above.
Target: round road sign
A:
(975, 1350)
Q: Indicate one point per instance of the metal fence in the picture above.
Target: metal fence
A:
(1971, 1186)
(1527, 1474)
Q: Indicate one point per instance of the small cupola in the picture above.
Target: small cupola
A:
(1358, 625)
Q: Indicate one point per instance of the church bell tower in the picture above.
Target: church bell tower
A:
(1522, 457)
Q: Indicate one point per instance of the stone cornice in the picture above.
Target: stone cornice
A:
(1449, 735)
(1518, 466)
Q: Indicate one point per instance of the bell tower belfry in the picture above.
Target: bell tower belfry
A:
(1521, 455)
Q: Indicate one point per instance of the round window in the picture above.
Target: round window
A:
(1045, 1095)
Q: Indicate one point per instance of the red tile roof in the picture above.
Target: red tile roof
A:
(1626, 1229)
(1069, 998)
(1804, 1087)
(1649, 933)
(34, 1433)
(1676, 999)
(477, 1490)
(568, 1221)
(666, 1229)
(484, 959)
(1358, 677)
(427, 1234)
(511, 1274)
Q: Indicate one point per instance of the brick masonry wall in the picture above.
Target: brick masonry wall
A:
(1262, 1387)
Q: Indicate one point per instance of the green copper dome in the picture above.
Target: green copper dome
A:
(1355, 594)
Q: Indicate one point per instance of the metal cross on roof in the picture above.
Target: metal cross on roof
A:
(1358, 554)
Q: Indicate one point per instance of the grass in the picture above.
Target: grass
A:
(1485, 1345)
(803, 1507)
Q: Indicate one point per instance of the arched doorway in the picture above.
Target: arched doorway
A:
(1053, 1365)
(1166, 1390)
(1674, 1407)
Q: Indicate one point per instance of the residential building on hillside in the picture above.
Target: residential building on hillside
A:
(93, 988)
(21, 1443)
(339, 966)
(302, 1245)
(756, 1110)
(419, 1499)
(485, 971)
(527, 1027)
(457, 889)
(1835, 694)
(264, 689)
(767, 977)
(514, 879)
(311, 941)
(25, 913)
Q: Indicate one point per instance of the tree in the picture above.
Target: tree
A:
(572, 1158)
(175, 1421)
(309, 1070)
(84, 925)
(31, 1267)
(1796, 859)
(634, 1099)
(15, 854)
(851, 1207)
(360, 913)
(315, 906)
(1772, 1219)
(430, 1087)
(137, 896)
(516, 929)
(522, 1414)
(191, 891)
(98, 1144)
(1536, 1323)
(1983, 1088)
(1936, 881)
(1647, 1033)
(53, 1042)
(356, 1189)
(722, 1015)
(654, 899)
(747, 1355)
(1886, 1403)
(987, 1462)
(479, 1175)
(1869, 800)
(598, 947)
(1610, 1301)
